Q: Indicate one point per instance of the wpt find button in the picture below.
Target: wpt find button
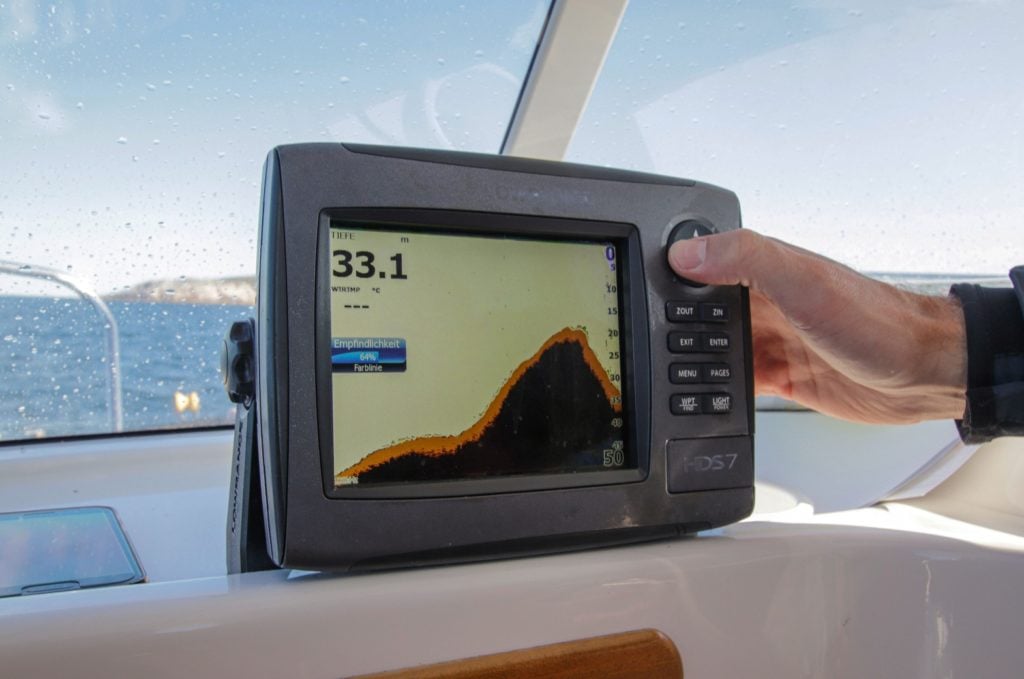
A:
(685, 404)
(710, 464)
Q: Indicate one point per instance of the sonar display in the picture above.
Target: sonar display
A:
(464, 357)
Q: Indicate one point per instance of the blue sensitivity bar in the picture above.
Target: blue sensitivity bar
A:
(367, 354)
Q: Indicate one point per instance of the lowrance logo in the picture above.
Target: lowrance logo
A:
(709, 463)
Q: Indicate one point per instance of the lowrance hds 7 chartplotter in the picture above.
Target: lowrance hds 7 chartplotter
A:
(460, 356)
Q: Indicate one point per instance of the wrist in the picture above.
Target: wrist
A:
(944, 357)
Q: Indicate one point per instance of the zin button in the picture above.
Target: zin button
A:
(684, 373)
(717, 404)
(681, 312)
(683, 342)
(685, 404)
(715, 341)
(716, 313)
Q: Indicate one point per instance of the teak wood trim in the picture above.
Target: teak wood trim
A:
(641, 654)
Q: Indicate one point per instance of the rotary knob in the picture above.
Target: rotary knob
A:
(685, 230)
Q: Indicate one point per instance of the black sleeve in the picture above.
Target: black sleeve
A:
(994, 319)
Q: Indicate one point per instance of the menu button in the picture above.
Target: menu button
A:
(683, 373)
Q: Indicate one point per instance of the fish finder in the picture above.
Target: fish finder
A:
(460, 356)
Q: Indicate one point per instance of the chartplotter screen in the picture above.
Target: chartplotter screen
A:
(459, 356)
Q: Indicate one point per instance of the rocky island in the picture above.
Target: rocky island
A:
(234, 290)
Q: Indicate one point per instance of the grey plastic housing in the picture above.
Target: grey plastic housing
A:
(308, 526)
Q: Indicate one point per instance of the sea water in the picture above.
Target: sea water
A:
(54, 366)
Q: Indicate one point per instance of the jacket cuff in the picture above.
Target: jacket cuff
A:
(994, 321)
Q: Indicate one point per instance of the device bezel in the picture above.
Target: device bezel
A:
(632, 331)
(308, 529)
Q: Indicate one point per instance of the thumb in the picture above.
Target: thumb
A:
(801, 283)
(739, 257)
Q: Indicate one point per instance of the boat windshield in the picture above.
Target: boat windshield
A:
(133, 138)
(886, 135)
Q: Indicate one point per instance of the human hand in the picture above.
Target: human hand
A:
(834, 340)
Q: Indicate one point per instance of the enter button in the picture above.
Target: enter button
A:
(715, 341)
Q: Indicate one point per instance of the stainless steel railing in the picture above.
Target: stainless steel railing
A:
(86, 292)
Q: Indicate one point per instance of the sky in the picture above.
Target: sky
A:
(133, 134)
(887, 135)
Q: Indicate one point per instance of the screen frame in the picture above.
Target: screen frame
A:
(633, 333)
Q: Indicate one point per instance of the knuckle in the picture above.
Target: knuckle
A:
(745, 244)
(749, 252)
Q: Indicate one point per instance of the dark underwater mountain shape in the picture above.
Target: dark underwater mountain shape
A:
(553, 414)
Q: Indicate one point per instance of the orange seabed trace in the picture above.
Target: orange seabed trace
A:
(435, 446)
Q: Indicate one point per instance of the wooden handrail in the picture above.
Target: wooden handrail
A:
(640, 654)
